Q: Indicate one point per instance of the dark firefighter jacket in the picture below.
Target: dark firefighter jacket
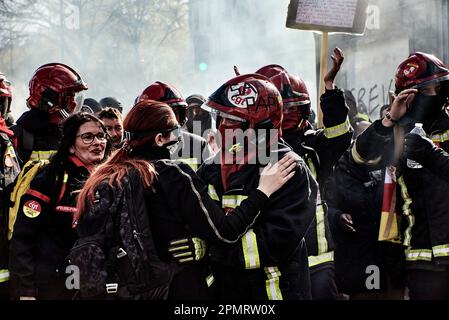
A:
(179, 207)
(270, 261)
(43, 234)
(34, 136)
(422, 196)
(321, 149)
(9, 169)
(358, 190)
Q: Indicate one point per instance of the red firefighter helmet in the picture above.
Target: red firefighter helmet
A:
(5, 96)
(56, 88)
(420, 69)
(292, 88)
(295, 97)
(271, 70)
(250, 99)
(164, 92)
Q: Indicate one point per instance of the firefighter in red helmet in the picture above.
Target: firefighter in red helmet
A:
(5, 99)
(422, 92)
(9, 169)
(270, 262)
(320, 150)
(192, 148)
(55, 93)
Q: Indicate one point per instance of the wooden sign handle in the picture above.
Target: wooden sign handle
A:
(323, 70)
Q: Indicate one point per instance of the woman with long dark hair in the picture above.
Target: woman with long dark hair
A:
(43, 233)
(179, 208)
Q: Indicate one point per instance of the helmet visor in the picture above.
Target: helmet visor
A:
(4, 106)
(432, 81)
(294, 106)
(79, 99)
(5, 88)
(217, 113)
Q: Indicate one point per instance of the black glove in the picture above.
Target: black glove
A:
(417, 148)
(187, 250)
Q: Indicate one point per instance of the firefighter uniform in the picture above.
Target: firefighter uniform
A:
(35, 137)
(423, 201)
(321, 149)
(359, 190)
(270, 261)
(43, 233)
(9, 169)
(180, 208)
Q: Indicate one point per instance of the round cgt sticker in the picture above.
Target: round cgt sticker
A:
(32, 208)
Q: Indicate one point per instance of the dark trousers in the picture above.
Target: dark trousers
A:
(322, 279)
(428, 285)
(4, 290)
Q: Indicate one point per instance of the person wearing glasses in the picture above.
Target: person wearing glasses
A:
(43, 233)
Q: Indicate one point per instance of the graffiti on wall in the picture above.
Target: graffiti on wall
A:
(371, 99)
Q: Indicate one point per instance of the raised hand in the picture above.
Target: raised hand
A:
(329, 77)
(399, 107)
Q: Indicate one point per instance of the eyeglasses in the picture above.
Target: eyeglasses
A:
(88, 137)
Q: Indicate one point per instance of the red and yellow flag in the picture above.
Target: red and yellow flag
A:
(389, 230)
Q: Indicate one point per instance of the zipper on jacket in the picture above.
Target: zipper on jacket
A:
(137, 237)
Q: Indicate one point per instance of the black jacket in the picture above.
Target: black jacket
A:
(180, 207)
(422, 196)
(34, 132)
(358, 190)
(270, 262)
(43, 234)
(9, 170)
(321, 149)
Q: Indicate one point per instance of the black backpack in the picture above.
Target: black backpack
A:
(115, 253)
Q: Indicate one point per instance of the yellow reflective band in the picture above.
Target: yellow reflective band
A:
(311, 167)
(272, 283)
(4, 275)
(250, 250)
(232, 201)
(42, 155)
(321, 230)
(441, 137)
(322, 258)
(191, 162)
(418, 254)
(363, 116)
(441, 250)
(212, 193)
(338, 130)
(358, 158)
(210, 280)
(407, 212)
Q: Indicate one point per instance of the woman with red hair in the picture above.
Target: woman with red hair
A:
(177, 203)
